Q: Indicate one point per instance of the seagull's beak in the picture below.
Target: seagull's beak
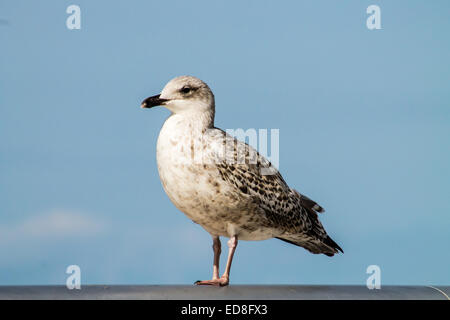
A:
(153, 102)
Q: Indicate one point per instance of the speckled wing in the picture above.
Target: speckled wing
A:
(285, 209)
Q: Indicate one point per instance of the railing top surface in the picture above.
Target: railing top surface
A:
(232, 292)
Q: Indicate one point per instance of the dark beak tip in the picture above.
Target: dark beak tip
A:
(152, 102)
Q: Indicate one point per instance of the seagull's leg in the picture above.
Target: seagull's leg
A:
(217, 250)
(232, 244)
(224, 280)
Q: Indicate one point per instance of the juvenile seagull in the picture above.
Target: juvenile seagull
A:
(224, 184)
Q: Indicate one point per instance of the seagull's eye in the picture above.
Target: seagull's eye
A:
(185, 90)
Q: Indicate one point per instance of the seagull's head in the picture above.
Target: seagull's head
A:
(183, 94)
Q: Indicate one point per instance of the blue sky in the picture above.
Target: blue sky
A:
(364, 120)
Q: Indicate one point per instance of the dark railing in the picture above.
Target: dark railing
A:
(232, 292)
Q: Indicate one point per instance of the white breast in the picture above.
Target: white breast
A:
(189, 185)
(172, 154)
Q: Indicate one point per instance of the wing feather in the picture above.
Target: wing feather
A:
(294, 214)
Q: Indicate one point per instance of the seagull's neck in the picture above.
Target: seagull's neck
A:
(198, 121)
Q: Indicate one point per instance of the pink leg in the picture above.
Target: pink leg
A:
(224, 280)
(217, 251)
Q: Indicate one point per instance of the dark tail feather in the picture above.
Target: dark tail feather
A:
(331, 243)
(323, 247)
(308, 203)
